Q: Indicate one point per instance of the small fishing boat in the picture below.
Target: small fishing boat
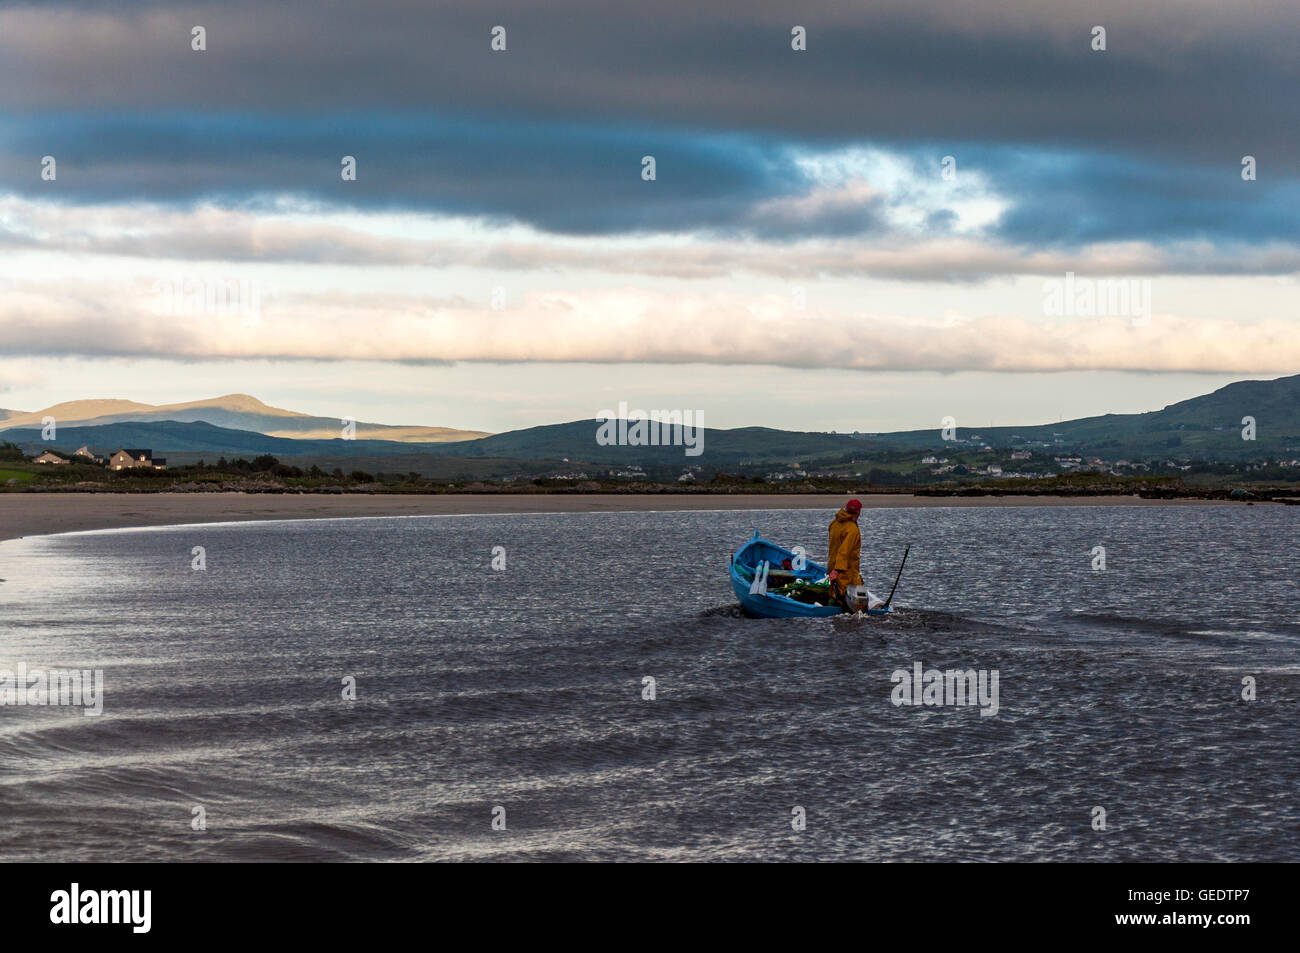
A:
(773, 582)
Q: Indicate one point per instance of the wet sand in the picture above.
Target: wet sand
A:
(32, 514)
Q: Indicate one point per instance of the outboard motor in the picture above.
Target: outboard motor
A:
(861, 598)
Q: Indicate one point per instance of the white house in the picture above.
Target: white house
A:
(127, 458)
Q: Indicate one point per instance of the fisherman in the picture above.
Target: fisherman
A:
(845, 551)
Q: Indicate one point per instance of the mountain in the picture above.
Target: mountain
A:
(176, 437)
(1208, 427)
(1203, 428)
(577, 441)
(574, 440)
(235, 411)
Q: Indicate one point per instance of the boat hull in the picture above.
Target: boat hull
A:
(747, 561)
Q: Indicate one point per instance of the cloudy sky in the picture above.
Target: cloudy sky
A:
(804, 257)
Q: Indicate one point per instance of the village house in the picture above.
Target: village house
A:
(87, 454)
(49, 456)
(128, 458)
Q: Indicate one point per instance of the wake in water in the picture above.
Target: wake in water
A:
(634, 712)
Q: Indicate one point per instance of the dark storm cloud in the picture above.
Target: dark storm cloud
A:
(560, 177)
(1065, 198)
(1195, 78)
(586, 179)
(1142, 141)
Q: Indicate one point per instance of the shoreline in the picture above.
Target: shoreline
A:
(43, 514)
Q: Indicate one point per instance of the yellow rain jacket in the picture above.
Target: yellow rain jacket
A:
(845, 550)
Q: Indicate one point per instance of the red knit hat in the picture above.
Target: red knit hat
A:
(853, 506)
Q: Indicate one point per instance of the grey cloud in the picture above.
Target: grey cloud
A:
(161, 234)
(1192, 79)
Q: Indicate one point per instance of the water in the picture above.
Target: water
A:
(522, 689)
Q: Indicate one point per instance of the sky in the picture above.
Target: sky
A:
(872, 232)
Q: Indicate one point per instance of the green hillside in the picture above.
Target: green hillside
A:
(1206, 428)
(171, 436)
(577, 441)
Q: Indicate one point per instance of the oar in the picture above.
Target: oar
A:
(899, 576)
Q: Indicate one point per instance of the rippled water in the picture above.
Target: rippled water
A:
(522, 689)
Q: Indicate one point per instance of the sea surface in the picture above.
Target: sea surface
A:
(519, 694)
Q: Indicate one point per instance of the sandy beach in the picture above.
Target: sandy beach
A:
(33, 514)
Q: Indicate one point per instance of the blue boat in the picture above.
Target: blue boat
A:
(759, 568)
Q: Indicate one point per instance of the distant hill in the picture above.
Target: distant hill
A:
(236, 411)
(577, 441)
(1207, 427)
(1203, 428)
(171, 436)
(574, 440)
